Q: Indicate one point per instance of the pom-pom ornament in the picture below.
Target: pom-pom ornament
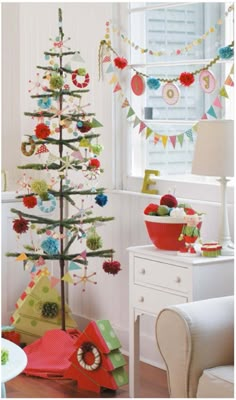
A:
(30, 201)
(44, 103)
(50, 246)
(20, 225)
(39, 187)
(42, 131)
(56, 82)
(186, 78)
(94, 241)
(84, 126)
(94, 163)
(111, 267)
(101, 199)
(120, 62)
(151, 209)
(226, 52)
(169, 200)
(153, 83)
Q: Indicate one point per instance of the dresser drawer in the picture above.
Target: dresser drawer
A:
(152, 300)
(161, 274)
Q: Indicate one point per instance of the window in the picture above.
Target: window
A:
(198, 30)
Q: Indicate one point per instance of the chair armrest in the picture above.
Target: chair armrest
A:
(192, 337)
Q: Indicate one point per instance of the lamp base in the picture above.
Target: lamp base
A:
(227, 249)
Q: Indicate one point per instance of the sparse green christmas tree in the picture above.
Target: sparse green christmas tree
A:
(65, 141)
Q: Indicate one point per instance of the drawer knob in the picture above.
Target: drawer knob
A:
(178, 279)
(141, 299)
(142, 271)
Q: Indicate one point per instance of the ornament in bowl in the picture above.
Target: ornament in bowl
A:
(167, 225)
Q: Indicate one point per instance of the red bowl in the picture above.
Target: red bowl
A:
(164, 231)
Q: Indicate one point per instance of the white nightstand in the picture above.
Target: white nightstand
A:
(160, 278)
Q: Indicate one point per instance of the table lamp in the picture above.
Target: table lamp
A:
(214, 156)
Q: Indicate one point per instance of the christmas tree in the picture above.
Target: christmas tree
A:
(65, 144)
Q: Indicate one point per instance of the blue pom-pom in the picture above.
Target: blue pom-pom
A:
(153, 83)
(44, 103)
(50, 246)
(226, 52)
(101, 199)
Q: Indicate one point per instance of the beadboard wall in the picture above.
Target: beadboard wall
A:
(26, 29)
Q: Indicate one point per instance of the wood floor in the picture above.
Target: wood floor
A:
(153, 384)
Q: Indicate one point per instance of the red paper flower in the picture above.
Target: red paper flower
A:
(186, 78)
(94, 163)
(20, 225)
(42, 131)
(30, 201)
(120, 62)
(151, 208)
(111, 267)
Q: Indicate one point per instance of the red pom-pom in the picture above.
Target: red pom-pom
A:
(111, 267)
(20, 225)
(169, 200)
(186, 78)
(151, 208)
(94, 163)
(42, 131)
(30, 201)
(120, 62)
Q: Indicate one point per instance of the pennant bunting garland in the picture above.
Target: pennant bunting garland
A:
(217, 102)
(110, 69)
(125, 103)
(223, 92)
(173, 140)
(22, 257)
(117, 87)
(180, 139)
(211, 112)
(73, 266)
(142, 126)
(67, 278)
(229, 81)
(130, 112)
(54, 281)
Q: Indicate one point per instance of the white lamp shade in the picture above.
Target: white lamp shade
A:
(214, 149)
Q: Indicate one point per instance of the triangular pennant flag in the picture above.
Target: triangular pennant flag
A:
(180, 139)
(130, 113)
(110, 69)
(107, 58)
(148, 132)
(27, 265)
(33, 269)
(77, 58)
(73, 265)
(54, 281)
(164, 140)
(223, 92)
(217, 102)
(211, 112)
(40, 262)
(42, 149)
(96, 124)
(173, 140)
(68, 66)
(189, 134)
(67, 278)
(136, 121)
(229, 81)
(232, 70)
(141, 126)
(156, 138)
(114, 79)
(83, 254)
(125, 103)
(204, 116)
(22, 257)
(77, 154)
(194, 127)
(117, 88)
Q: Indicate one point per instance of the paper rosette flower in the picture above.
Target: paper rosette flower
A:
(120, 62)
(186, 78)
(42, 131)
(20, 225)
(30, 201)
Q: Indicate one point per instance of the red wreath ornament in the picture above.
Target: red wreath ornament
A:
(120, 62)
(30, 201)
(20, 225)
(42, 131)
(111, 267)
(186, 78)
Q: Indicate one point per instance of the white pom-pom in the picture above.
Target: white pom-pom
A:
(177, 212)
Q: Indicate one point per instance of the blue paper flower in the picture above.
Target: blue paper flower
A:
(50, 246)
(226, 52)
(153, 83)
(44, 102)
(101, 199)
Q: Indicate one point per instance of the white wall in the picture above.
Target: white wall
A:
(26, 29)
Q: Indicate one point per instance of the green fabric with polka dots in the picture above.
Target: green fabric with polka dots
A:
(116, 358)
(120, 376)
(108, 334)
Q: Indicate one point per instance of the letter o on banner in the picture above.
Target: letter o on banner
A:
(170, 93)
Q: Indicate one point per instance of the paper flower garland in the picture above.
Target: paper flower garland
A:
(186, 78)
(42, 131)
(153, 83)
(120, 62)
(226, 52)
(20, 225)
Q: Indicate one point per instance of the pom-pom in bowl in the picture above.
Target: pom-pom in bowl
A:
(164, 231)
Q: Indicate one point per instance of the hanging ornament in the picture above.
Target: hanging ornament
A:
(207, 81)
(46, 208)
(170, 93)
(138, 84)
(96, 149)
(84, 126)
(42, 131)
(50, 246)
(94, 241)
(31, 150)
(44, 103)
(94, 163)
(120, 62)
(186, 78)
(20, 225)
(56, 82)
(29, 201)
(101, 199)
(111, 267)
(153, 83)
(88, 356)
(80, 72)
(42, 149)
(226, 52)
(40, 187)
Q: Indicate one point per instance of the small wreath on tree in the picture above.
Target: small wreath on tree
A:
(88, 356)
(49, 309)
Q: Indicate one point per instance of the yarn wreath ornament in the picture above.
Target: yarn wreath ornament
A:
(83, 84)
(88, 356)
(31, 150)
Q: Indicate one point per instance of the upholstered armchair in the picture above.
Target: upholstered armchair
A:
(196, 341)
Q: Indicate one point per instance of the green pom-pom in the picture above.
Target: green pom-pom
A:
(94, 241)
(39, 187)
(163, 210)
(56, 82)
(4, 356)
(81, 71)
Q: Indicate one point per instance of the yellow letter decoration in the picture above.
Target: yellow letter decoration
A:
(148, 181)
